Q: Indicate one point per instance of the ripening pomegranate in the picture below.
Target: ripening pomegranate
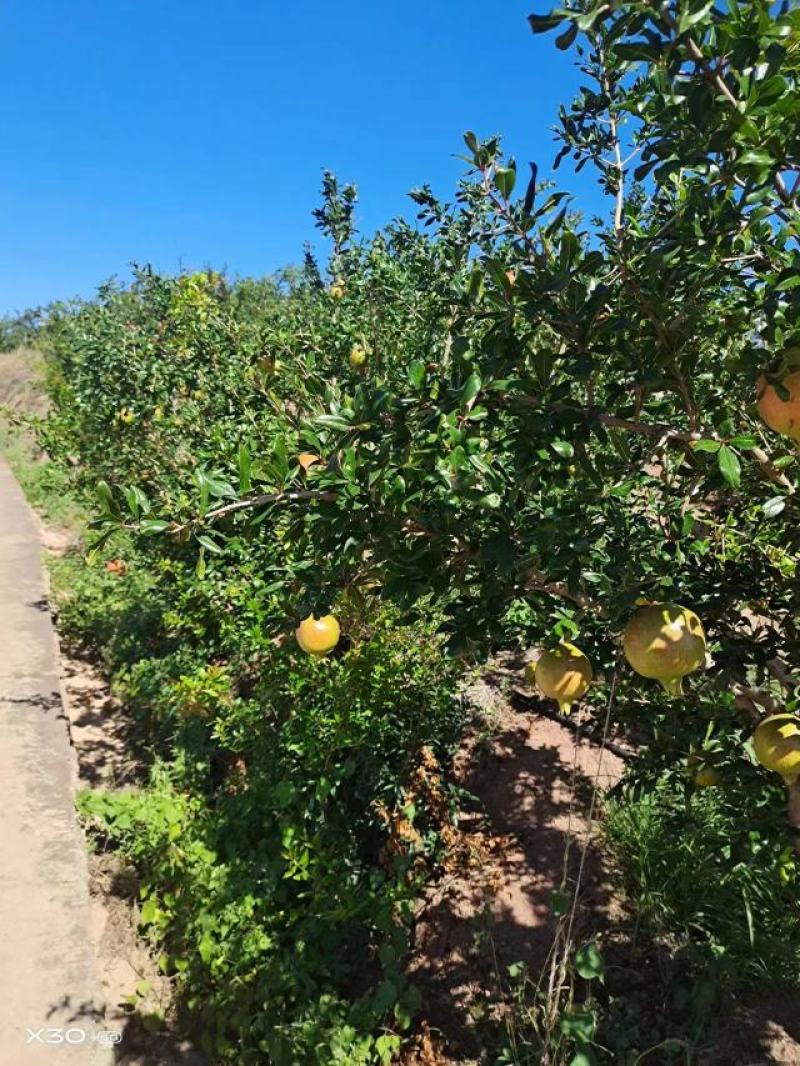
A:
(318, 636)
(666, 642)
(776, 743)
(358, 357)
(782, 416)
(562, 674)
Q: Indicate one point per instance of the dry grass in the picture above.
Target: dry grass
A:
(20, 374)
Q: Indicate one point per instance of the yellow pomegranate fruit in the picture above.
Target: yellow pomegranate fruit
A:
(776, 743)
(307, 460)
(782, 416)
(358, 357)
(337, 289)
(563, 674)
(707, 777)
(666, 642)
(702, 775)
(126, 415)
(318, 636)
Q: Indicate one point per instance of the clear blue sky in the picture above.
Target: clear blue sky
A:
(194, 132)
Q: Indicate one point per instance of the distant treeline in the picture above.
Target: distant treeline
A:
(21, 329)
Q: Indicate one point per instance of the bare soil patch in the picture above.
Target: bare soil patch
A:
(532, 779)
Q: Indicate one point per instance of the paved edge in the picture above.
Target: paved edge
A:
(51, 1007)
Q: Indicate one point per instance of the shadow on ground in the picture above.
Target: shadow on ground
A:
(533, 786)
(532, 780)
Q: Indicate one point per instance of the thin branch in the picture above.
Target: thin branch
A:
(503, 210)
(715, 79)
(675, 436)
(780, 188)
(255, 502)
(667, 434)
(619, 166)
(538, 582)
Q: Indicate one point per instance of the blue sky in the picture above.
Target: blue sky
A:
(195, 133)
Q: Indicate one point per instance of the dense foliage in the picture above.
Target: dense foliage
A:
(16, 331)
(544, 420)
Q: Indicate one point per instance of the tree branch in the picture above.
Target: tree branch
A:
(619, 199)
(538, 582)
(667, 434)
(254, 502)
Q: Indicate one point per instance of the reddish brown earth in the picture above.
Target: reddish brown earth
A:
(533, 780)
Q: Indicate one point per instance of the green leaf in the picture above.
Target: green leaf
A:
(566, 39)
(583, 1058)
(559, 903)
(729, 466)
(471, 141)
(136, 500)
(387, 1047)
(151, 526)
(589, 962)
(416, 374)
(476, 282)
(149, 912)
(470, 389)
(755, 157)
(544, 23)
(772, 508)
(706, 445)
(691, 17)
(579, 1023)
(106, 497)
(505, 179)
(563, 448)
(209, 544)
(333, 422)
(385, 997)
(641, 172)
(285, 793)
(98, 542)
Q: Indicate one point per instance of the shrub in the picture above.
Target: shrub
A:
(263, 843)
(715, 871)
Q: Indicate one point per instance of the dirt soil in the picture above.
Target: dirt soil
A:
(533, 781)
(533, 777)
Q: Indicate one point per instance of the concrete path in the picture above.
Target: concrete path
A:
(50, 1011)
